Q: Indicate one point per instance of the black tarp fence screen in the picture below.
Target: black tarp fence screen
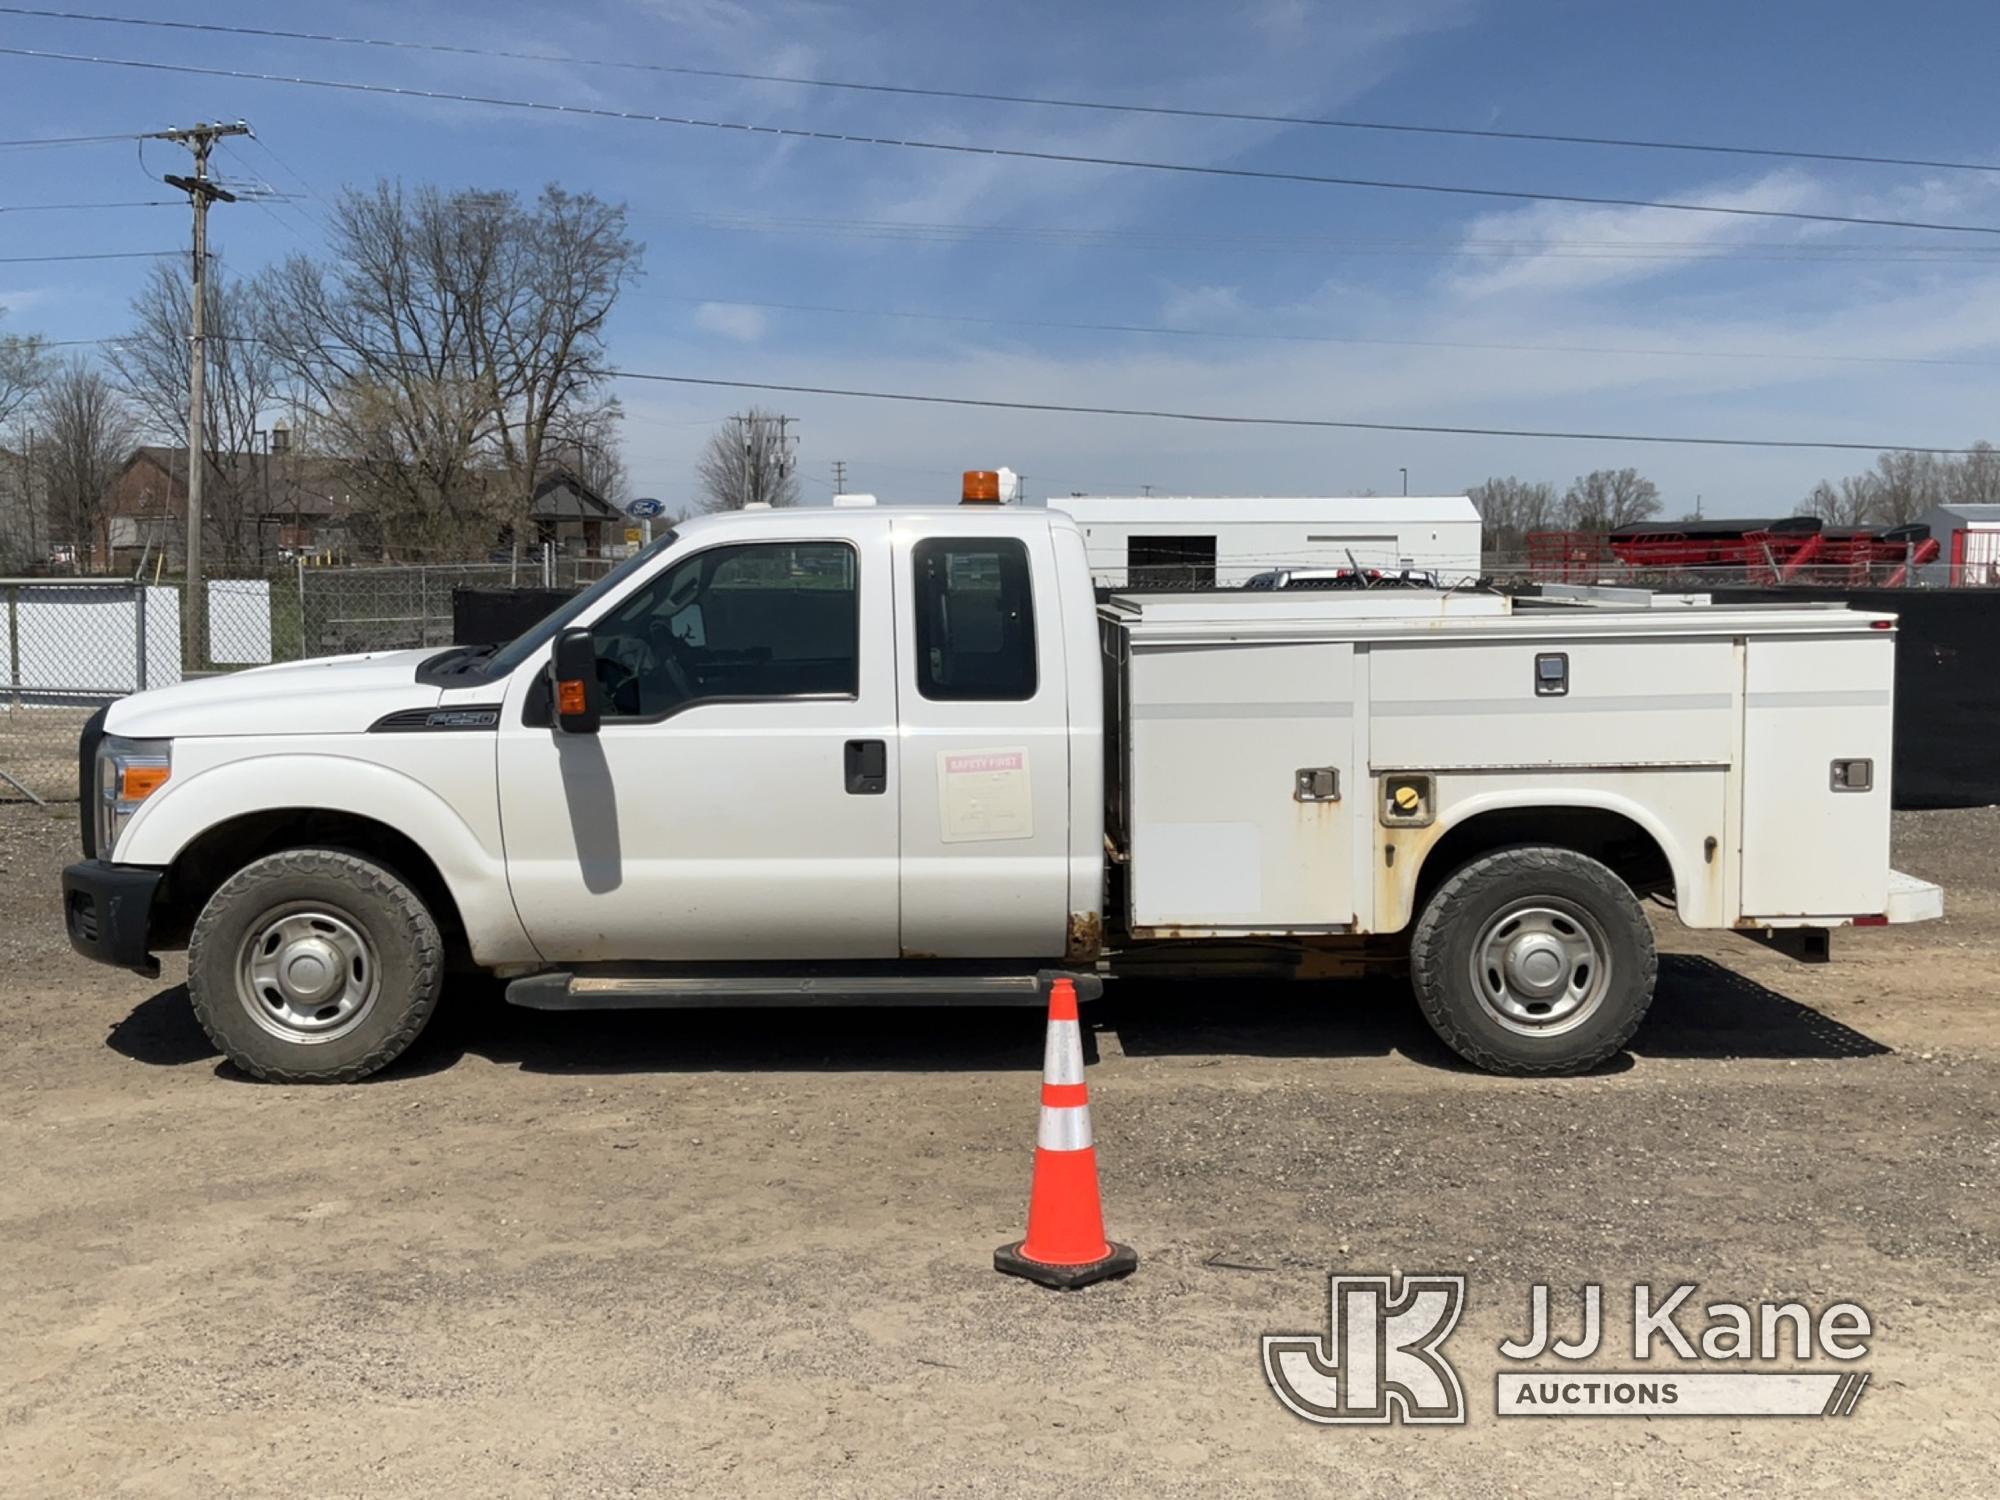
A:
(1947, 686)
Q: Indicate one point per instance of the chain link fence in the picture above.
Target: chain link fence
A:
(70, 646)
(396, 608)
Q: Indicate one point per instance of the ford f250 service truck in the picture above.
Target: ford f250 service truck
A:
(869, 754)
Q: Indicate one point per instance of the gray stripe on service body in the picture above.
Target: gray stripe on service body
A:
(1855, 698)
(1306, 710)
(1630, 703)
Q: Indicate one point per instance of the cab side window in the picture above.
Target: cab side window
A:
(760, 620)
(975, 619)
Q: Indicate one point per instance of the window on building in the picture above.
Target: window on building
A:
(1170, 562)
(975, 619)
(763, 620)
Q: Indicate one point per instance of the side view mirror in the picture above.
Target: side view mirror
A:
(573, 682)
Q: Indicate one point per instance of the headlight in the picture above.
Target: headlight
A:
(128, 772)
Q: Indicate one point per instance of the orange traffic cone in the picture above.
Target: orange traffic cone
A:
(1065, 1247)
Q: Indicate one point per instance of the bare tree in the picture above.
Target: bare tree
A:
(746, 462)
(1510, 509)
(24, 369)
(560, 267)
(447, 338)
(87, 433)
(151, 367)
(587, 445)
(1975, 478)
(1609, 500)
(1849, 503)
(379, 341)
(1906, 485)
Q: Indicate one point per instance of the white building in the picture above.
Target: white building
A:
(1968, 538)
(1222, 540)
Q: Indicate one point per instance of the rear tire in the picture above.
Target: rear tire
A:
(314, 966)
(1533, 960)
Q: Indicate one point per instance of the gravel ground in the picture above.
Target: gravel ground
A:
(630, 1254)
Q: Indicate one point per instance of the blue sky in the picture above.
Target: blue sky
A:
(731, 221)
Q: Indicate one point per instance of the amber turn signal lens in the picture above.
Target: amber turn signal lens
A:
(140, 782)
(570, 696)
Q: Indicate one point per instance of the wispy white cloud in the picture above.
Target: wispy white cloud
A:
(1546, 247)
(1199, 306)
(733, 320)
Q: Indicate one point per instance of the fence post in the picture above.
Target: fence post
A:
(139, 634)
(14, 643)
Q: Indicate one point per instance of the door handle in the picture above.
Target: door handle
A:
(867, 768)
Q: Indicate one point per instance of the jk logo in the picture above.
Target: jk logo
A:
(1379, 1360)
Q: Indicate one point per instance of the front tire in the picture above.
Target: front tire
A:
(1534, 960)
(314, 966)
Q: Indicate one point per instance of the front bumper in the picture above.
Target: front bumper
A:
(107, 909)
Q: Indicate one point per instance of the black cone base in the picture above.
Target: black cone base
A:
(1122, 1261)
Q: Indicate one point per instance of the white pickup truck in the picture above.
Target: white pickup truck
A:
(874, 755)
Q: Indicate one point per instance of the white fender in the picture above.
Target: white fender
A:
(1697, 883)
(470, 860)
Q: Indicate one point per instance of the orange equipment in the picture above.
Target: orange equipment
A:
(1065, 1247)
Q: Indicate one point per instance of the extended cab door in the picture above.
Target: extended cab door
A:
(985, 739)
(740, 800)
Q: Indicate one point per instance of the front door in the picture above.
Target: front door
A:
(740, 800)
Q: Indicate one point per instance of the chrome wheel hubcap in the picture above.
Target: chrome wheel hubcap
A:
(1541, 967)
(307, 974)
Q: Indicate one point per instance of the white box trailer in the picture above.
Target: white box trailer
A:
(1222, 541)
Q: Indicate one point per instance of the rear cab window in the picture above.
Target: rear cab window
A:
(975, 619)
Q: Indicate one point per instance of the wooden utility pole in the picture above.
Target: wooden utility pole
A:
(199, 139)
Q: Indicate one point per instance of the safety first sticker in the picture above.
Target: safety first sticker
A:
(984, 795)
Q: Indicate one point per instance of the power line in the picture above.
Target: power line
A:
(1269, 421)
(265, 194)
(1009, 153)
(1775, 356)
(1156, 240)
(12, 260)
(29, 142)
(1331, 338)
(43, 208)
(1253, 117)
(1221, 418)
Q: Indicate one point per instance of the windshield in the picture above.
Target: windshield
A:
(542, 631)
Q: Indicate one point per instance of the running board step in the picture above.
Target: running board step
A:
(682, 988)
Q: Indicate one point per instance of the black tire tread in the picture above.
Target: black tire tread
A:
(348, 869)
(1429, 970)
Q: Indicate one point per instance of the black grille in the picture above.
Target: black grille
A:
(83, 917)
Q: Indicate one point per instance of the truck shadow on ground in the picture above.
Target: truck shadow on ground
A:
(1703, 1010)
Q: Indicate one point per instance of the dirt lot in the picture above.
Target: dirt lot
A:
(645, 1253)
